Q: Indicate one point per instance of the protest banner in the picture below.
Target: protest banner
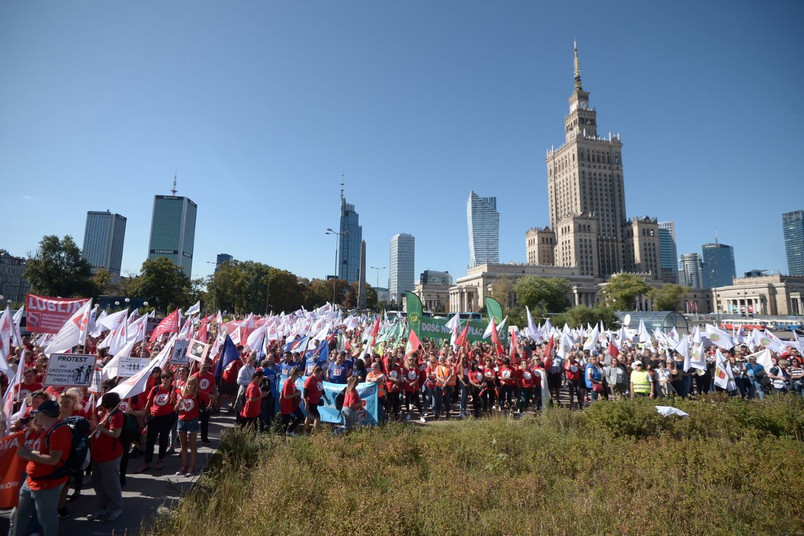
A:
(179, 355)
(129, 366)
(70, 370)
(436, 328)
(11, 468)
(47, 315)
(369, 415)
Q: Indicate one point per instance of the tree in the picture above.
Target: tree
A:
(542, 295)
(621, 291)
(162, 283)
(58, 269)
(582, 315)
(501, 291)
(668, 298)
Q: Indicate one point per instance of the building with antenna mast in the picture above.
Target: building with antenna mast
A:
(173, 229)
(349, 240)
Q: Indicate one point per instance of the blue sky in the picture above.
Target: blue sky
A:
(261, 106)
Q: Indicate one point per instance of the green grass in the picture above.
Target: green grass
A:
(617, 468)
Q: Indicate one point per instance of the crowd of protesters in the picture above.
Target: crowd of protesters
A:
(434, 381)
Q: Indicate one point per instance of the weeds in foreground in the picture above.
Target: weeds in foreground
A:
(616, 468)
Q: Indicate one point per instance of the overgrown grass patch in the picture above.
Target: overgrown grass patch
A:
(616, 468)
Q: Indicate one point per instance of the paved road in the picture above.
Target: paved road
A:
(144, 495)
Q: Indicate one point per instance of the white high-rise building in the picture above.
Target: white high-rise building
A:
(690, 271)
(483, 221)
(401, 266)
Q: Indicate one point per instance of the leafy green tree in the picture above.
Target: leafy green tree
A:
(286, 292)
(582, 315)
(621, 291)
(163, 284)
(58, 269)
(542, 295)
(668, 297)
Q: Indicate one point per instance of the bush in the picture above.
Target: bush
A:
(616, 468)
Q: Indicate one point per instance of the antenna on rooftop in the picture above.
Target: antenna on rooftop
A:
(341, 185)
(174, 190)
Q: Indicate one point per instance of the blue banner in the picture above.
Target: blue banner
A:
(368, 393)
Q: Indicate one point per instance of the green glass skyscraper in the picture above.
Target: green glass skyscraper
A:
(173, 230)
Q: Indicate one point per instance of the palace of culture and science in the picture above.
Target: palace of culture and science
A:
(590, 236)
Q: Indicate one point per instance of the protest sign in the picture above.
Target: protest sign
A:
(129, 366)
(11, 467)
(47, 315)
(197, 350)
(179, 355)
(70, 370)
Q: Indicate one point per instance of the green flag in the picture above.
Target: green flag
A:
(494, 310)
(413, 305)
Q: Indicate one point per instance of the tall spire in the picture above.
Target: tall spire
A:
(174, 190)
(342, 198)
(577, 66)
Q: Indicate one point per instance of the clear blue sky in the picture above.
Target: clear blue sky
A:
(261, 106)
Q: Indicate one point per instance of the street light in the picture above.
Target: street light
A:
(378, 273)
(335, 275)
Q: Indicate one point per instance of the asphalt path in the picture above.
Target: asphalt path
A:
(144, 496)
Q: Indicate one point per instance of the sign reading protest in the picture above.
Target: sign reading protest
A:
(129, 366)
(70, 370)
(48, 315)
(11, 468)
(179, 355)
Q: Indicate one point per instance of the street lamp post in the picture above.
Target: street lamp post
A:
(378, 273)
(335, 275)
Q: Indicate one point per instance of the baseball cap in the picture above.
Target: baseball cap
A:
(637, 362)
(49, 408)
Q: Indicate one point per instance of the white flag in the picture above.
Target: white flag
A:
(136, 384)
(194, 309)
(70, 333)
(719, 337)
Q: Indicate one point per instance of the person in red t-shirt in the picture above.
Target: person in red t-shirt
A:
(352, 404)
(289, 403)
(393, 386)
(29, 384)
(48, 451)
(411, 387)
(252, 400)
(106, 453)
(206, 383)
(161, 414)
(189, 399)
(314, 396)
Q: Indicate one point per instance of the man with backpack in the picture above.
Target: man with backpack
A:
(46, 469)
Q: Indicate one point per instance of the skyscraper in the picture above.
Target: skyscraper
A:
(222, 258)
(793, 227)
(669, 252)
(401, 266)
(173, 230)
(690, 270)
(586, 192)
(351, 235)
(483, 221)
(718, 265)
(104, 235)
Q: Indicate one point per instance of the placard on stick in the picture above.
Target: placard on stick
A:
(70, 370)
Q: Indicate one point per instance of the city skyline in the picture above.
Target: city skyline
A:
(412, 111)
(104, 237)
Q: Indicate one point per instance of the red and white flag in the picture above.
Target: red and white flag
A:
(169, 324)
(71, 332)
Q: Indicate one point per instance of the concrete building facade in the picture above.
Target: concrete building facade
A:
(104, 235)
(12, 285)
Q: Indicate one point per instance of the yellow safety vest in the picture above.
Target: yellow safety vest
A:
(641, 381)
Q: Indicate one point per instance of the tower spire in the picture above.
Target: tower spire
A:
(174, 190)
(577, 66)
(342, 198)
